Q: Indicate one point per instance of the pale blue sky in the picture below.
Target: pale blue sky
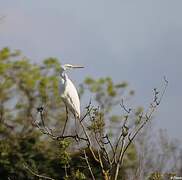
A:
(139, 42)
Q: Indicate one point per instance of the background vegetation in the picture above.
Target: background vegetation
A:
(27, 153)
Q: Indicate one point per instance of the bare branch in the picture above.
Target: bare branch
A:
(147, 117)
(35, 174)
(49, 132)
(124, 140)
(88, 164)
(123, 106)
(123, 134)
(109, 142)
(89, 141)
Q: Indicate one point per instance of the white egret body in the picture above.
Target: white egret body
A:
(68, 91)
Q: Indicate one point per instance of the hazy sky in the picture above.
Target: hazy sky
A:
(136, 41)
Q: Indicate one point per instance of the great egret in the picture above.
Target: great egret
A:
(68, 91)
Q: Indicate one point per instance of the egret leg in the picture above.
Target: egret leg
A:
(65, 121)
(75, 125)
(42, 119)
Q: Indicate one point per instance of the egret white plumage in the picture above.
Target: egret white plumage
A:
(68, 91)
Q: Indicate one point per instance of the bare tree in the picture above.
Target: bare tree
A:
(107, 154)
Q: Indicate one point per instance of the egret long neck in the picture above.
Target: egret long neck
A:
(63, 81)
(63, 75)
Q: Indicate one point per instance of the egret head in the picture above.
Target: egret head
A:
(69, 66)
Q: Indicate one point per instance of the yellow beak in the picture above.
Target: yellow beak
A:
(77, 66)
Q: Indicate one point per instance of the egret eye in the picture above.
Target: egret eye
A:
(68, 66)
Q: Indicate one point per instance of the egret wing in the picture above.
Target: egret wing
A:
(72, 98)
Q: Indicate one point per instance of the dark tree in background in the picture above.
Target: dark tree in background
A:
(32, 118)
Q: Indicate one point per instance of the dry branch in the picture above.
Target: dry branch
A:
(113, 158)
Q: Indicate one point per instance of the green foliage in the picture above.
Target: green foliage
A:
(63, 154)
(4, 53)
(106, 91)
(79, 175)
(24, 87)
(52, 63)
(156, 176)
(161, 176)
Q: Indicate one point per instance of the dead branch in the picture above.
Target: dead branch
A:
(88, 164)
(146, 118)
(124, 140)
(37, 175)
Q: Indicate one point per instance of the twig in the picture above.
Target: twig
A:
(35, 174)
(54, 137)
(89, 142)
(106, 152)
(66, 173)
(164, 90)
(104, 172)
(88, 111)
(109, 142)
(102, 147)
(148, 116)
(119, 161)
(123, 106)
(119, 139)
(88, 164)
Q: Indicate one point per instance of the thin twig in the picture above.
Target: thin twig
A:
(148, 116)
(88, 164)
(111, 145)
(88, 111)
(123, 106)
(89, 142)
(65, 168)
(102, 147)
(35, 174)
(86, 114)
(105, 150)
(119, 161)
(54, 137)
(119, 139)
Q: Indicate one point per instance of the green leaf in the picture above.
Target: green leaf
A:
(4, 53)
(89, 81)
